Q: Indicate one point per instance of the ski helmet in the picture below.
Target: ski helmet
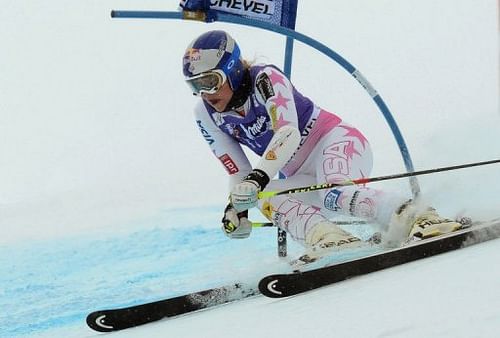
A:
(213, 51)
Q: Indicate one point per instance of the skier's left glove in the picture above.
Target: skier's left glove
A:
(244, 195)
(236, 225)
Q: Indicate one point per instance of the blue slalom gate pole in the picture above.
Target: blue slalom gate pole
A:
(292, 34)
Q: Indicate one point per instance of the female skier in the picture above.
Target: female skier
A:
(257, 106)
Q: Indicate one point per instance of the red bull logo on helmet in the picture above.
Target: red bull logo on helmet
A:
(192, 54)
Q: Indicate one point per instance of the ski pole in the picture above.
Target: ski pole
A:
(348, 222)
(267, 194)
(262, 224)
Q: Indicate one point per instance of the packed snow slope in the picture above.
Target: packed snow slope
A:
(110, 197)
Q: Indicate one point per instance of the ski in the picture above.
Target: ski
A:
(284, 285)
(127, 317)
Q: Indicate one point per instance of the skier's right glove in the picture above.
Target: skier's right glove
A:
(236, 225)
(244, 195)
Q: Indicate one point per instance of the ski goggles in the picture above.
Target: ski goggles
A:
(209, 82)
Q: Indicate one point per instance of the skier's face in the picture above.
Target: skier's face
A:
(220, 99)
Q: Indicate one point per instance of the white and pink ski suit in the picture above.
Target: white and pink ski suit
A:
(330, 150)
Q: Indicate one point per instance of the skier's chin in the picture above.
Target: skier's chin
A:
(217, 104)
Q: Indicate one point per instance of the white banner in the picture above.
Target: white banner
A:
(255, 9)
(264, 10)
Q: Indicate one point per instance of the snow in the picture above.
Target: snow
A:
(109, 196)
(445, 305)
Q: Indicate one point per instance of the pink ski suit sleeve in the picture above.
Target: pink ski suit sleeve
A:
(274, 90)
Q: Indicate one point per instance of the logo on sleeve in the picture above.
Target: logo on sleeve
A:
(264, 86)
(271, 155)
(229, 164)
(205, 133)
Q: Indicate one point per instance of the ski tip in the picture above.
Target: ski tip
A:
(97, 321)
(280, 285)
(269, 286)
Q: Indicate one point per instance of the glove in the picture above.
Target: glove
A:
(244, 195)
(236, 225)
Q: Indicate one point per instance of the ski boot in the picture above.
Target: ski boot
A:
(423, 223)
(327, 237)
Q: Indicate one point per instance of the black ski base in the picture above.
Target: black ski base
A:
(284, 285)
(124, 318)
